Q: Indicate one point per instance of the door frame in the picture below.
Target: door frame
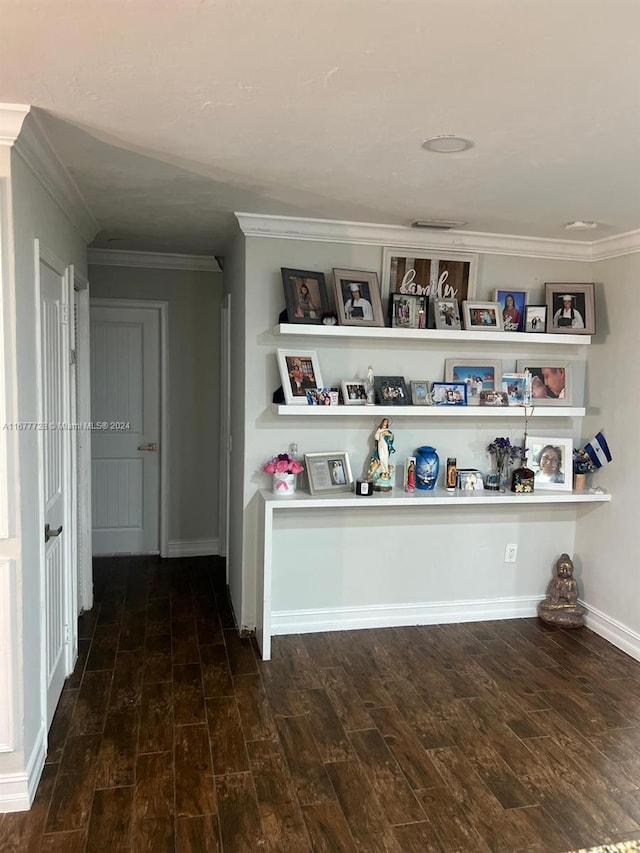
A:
(163, 318)
(225, 426)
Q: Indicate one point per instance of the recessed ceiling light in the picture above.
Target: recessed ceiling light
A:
(581, 225)
(447, 143)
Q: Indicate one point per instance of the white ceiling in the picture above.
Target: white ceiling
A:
(171, 114)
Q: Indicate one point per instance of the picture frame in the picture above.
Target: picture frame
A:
(535, 319)
(469, 480)
(494, 398)
(449, 393)
(445, 314)
(322, 396)
(551, 381)
(514, 385)
(482, 316)
(575, 314)
(432, 273)
(556, 476)
(363, 309)
(305, 295)
(299, 371)
(420, 392)
(513, 304)
(408, 312)
(478, 374)
(391, 391)
(354, 392)
(328, 472)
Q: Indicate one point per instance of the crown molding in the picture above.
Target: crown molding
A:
(613, 247)
(152, 260)
(11, 118)
(35, 149)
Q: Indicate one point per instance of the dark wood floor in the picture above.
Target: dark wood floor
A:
(172, 734)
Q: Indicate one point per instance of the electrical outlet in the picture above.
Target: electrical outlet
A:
(511, 553)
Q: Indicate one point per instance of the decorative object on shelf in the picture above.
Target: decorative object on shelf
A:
(305, 294)
(469, 480)
(449, 393)
(452, 474)
(322, 396)
(328, 472)
(561, 607)
(427, 467)
(330, 318)
(515, 387)
(482, 316)
(523, 478)
(512, 303)
(589, 458)
(504, 453)
(571, 308)
(370, 386)
(551, 383)
(299, 371)
(551, 460)
(420, 393)
(380, 470)
(410, 474)
(283, 469)
(358, 298)
(363, 488)
(478, 375)
(598, 450)
(426, 273)
(444, 314)
(535, 319)
(391, 391)
(494, 398)
(408, 312)
(354, 392)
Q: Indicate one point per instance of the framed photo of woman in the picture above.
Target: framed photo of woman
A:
(299, 372)
(305, 294)
(513, 304)
(328, 472)
(571, 308)
(551, 460)
(358, 301)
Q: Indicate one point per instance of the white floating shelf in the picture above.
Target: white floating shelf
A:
(428, 411)
(462, 336)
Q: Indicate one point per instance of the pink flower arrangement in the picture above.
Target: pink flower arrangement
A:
(283, 463)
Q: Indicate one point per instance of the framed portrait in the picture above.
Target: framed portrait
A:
(482, 316)
(535, 318)
(420, 394)
(550, 381)
(512, 303)
(551, 460)
(445, 314)
(391, 391)
(358, 301)
(494, 398)
(328, 472)
(354, 392)
(408, 312)
(469, 480)
(449, 394)
(477, 374)
(439, 275)
(514, 386)
(305, 295)
(322, 396)
(571, 308)
(299, 372)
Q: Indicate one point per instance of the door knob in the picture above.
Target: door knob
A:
(153, 446)
(51, 534)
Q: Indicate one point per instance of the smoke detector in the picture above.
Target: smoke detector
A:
(447, 143)
(581, 225)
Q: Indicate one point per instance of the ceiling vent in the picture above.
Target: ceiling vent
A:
(437, 224)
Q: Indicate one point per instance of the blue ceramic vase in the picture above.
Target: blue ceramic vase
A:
(427, 467)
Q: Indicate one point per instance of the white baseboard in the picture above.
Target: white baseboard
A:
(395, 615)
(613, 631)
(193, 548)
(17, 790)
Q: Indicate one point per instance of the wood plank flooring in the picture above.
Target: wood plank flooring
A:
(172, 734)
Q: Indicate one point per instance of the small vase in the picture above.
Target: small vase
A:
(579, 481)
(427, 466)
(284, 484)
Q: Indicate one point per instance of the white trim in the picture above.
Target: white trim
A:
(83, 437)
(393, 615)
(613, 631)
(428, 411)
(152, 260)
(35, 149)
(11, 118)
(5, 218)
(17, 790)
(7, 608)
(193, 548)
(402, 237)
(225, 426)
(163, 309)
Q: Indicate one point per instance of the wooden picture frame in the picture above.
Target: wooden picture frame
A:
(535, 319)
(299, 371)
(328, 472)
(551, 381)
(432, 273)
(391, 391)
(479, 374)
(354, 392)
(445, 314)
(305, 295)
(573, 315)
(493, 398)
(513, 304)
(408, 312)
(358, 301)
(547, 475)
(482, 316)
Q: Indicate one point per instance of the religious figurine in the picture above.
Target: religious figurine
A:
(561, 607)
(369, 387)
(380, 470)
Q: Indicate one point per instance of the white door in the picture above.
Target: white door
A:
(125, 439)
(55, 475)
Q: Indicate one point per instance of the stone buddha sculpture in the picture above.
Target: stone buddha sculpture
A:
(561, 607)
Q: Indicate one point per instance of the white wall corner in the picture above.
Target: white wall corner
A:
(193, 548)
(613, 631)
(613, 247)
(17, 790)
(12, 117)
(152, 260)
(7, 649)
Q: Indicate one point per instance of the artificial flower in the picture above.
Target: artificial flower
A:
(283, 463)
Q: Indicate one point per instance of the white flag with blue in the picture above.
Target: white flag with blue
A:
(598, 450)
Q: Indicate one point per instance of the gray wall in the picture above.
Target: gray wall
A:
(194, 381)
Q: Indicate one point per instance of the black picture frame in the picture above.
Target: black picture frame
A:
(308, 308)
(391, 391)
